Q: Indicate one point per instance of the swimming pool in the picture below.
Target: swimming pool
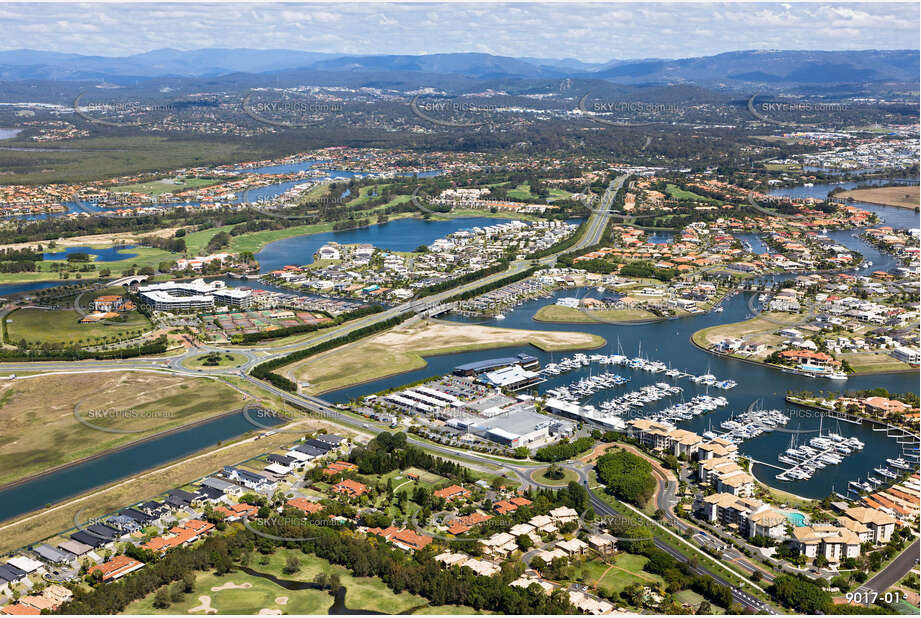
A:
(797, 519)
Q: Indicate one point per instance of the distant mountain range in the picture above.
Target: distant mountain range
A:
(776, 68)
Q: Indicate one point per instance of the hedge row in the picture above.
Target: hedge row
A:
(309, 328)
(264, 371)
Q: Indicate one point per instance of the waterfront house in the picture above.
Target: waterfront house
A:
(225, 487)
(75, 548)
(179, 499)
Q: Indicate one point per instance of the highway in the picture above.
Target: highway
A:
(254, 355)
(740, 596)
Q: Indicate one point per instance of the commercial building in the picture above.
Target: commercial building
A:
(192, 295)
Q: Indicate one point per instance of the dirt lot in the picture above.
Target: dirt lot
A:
(401, 349)
(903, 197)
(96, 239)
(40, 430)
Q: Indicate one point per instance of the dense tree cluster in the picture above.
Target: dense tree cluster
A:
(564, 450)
(627, 476)
(388, 452)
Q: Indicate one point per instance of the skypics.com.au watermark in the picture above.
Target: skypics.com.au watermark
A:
(598, 111)
(126, 415)
(277, 207)
(287, 113)
(276, 522)
(772, 111)
(263, 417)
(91, 112)
(452, 113)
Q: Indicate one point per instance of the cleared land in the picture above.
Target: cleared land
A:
(402, 348)
(45, 523)
(903, 197)
(568, 315)
(874, 362)
(38, 326)
(41, 432)
(755, 330)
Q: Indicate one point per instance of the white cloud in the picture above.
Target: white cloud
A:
(591, 32)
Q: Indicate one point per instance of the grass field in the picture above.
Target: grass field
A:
(166, 185)
(568, 315)
(903, 197)
(363, 593)
(40, 430)
(100, 501)
(38, 326)
(540, 475)
(223, 360)
(625, 569)
(402, 349)
(763, 323)
(874, 362)
(693, 599)
(680, 194)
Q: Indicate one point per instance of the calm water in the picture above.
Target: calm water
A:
(132, 460)
(666, 341)
(13, 288)
(111, 254)
(6, 133)
(669, 342)
(399, 235)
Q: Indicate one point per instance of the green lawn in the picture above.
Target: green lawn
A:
(63, 326)
(364, 593)
(540, 475)
(612, 578)
(166, 185)
(689, 597)
(223, 360)
(557, 313)
(680, 194)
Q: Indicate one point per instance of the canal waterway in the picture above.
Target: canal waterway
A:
(133, 459)
(667, 341)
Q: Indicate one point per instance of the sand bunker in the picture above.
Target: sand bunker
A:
(231, 586)
(204, 607)
(281, 600)
(269, 612)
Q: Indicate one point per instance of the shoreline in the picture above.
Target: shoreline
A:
(856, 374)
(91, 276)
(449, 352)
(115, 450)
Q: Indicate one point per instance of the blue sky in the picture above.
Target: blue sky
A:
(590, 32)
